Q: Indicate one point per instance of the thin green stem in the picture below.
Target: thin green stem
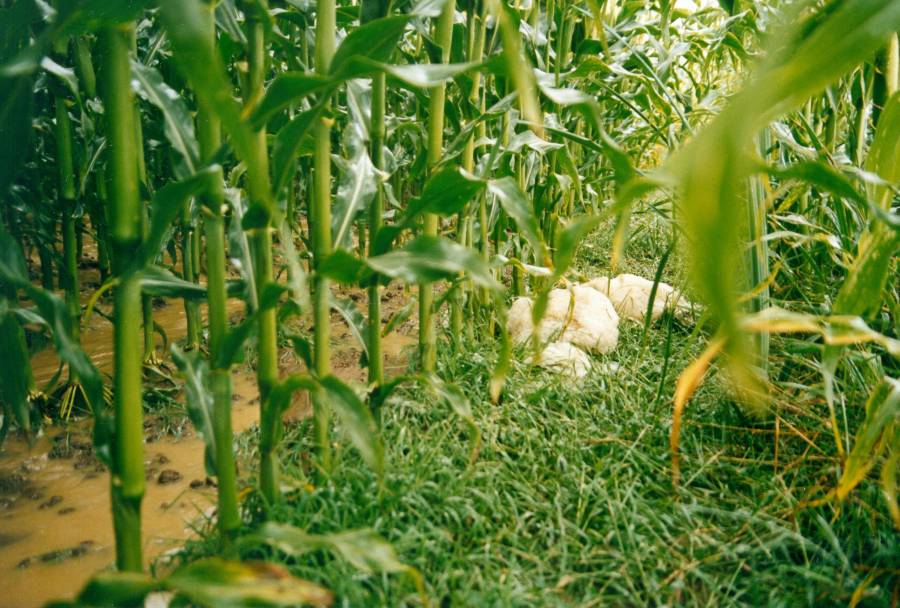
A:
(67, 203)
(321, 228)
(209, 134)
(261, 251)
(427, 336)
(126, 218)
(376, 215)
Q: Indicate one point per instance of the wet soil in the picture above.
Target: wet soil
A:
(55, 518)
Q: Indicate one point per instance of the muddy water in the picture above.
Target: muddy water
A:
(55, 519)
(57, 528)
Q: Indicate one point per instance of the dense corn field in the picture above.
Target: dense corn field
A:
(545, 302)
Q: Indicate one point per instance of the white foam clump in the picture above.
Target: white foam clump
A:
(630, 294)
(564, 358)
(593, 324)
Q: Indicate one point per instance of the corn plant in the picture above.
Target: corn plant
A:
(466, 149)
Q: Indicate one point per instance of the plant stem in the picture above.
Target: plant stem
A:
(376, 214)
(191, 311)
(147, 301)
(321, 228)
(261, 248)
(66, 166)
(209, 134)
(126, 218)
(443, 37)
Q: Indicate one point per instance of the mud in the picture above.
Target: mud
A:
(55, 518)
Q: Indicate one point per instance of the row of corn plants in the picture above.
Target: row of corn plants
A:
(268, 151)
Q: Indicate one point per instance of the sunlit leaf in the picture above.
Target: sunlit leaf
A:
(216, 582)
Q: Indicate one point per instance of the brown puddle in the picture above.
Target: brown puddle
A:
(55, 518)
(56, 529)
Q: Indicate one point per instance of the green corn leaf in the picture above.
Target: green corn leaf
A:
(55, 314)
(289, 144)
(199, 400)
(303, 348)
(216, 582)
(16, 108)
(399, 317)
(81, 16)
(518, 207)
(160, 282)
(65, 75)
(428, 8)
(850, 34)
(298, 278)
(117, 589)
(370, 10)
(716, 162)
(884, 154)
(13, 269)
(16, 388)
(237, 335)
(836, 330)
(889, 472)
(446, 193)
(569, 238)
(428, 259)
(376, 41)
(167, 204)
(188, 29)
(288, 88)
(291, 87)
(356, 190)
(356, 419)
(423, 75)
(207, 582)
(179, 126)
(343, 267)
(17, 97)
(459, 404)
(863, 289)
(518, 67)
(355, 320)
(280, 397)
(730, 6)
(823, 176)
(882, 413)
(228, 20)
(66, 18)
(363, 549)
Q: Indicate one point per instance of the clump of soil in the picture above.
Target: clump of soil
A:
(168, 476)
(51, 502)
(13, 486)
(153, 468)
(196, 484)
(13, 483)
(59, 555)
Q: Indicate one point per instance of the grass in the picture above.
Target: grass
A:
(570, 501)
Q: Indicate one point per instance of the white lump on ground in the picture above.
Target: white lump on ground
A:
(564, 358)
(590, 324)
(630, 294)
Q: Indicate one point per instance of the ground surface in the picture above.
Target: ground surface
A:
(570, 501)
